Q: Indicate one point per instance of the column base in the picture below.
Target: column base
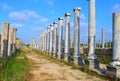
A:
(60, 56)
(51, 54)
(92, 63)
(54, 55)
(67, 57)
(113, 71)
(78, 60)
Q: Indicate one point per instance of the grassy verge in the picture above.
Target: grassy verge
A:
(15, 69)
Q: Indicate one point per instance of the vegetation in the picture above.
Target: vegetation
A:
(15, 69)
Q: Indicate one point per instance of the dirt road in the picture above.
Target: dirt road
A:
(49, 71)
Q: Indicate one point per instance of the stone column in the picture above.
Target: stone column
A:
(77, 58)
(67, 38)
(103, 39)
(60, 50)
(113, 70)
(51, 40)
(92, 60)
(14, 39)
(55, 39)
(48, 40)
(10, 43)
(4, 39)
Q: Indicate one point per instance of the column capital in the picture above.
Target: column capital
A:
(77, 8)
(55, 22)
(67, 14)
(60, 18)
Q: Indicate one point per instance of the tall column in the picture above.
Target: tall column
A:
(60, 50)
(113, 70)
(103, 39)
(55, 39)
(51, 40)
(10, 43)
(48, 40)
(67, 38)
(77, 58)
(4, 39)
(92, 60)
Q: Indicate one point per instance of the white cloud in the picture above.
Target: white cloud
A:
(116, 8)
(42, 20)
(16, 25)
(23, 15)
(49, 2)
(82, 17)
(5, 6)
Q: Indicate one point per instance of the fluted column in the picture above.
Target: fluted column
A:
(67, 37)
(77, 58)
(60, 50)
(55, 39)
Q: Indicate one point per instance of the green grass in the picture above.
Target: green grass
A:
(15, 69)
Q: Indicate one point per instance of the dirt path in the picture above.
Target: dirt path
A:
(50, 71)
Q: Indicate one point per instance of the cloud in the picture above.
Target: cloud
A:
(16, 25)
(42, 20)
(23, 15)
(82, 17)
(116, 8)
(5, 6)
(36, 28)
(49, 2)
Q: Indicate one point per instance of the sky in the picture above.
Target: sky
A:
(31, 17)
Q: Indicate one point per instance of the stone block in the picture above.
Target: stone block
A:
(92, 63)
(78, 61)
(67, 57)
(113, 71)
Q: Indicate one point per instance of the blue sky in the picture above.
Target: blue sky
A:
(31, 17)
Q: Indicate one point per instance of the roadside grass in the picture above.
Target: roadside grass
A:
(15, 69)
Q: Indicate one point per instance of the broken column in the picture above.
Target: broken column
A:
(60, 50)
(55, 39)
(67, 38)
(92, 60)
(14, 39)
(103, 39)
(113, 70)
(77, 58)
(4, 39)
(10, 43)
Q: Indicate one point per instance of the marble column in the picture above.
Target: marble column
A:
(4, 39)
(48, 40)
(103, 39)
(10, 43)
(92, 60)
(77, 58)
(67, 37)
(55, 39)
(113, 70)
(60, 50)
(51, 40)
